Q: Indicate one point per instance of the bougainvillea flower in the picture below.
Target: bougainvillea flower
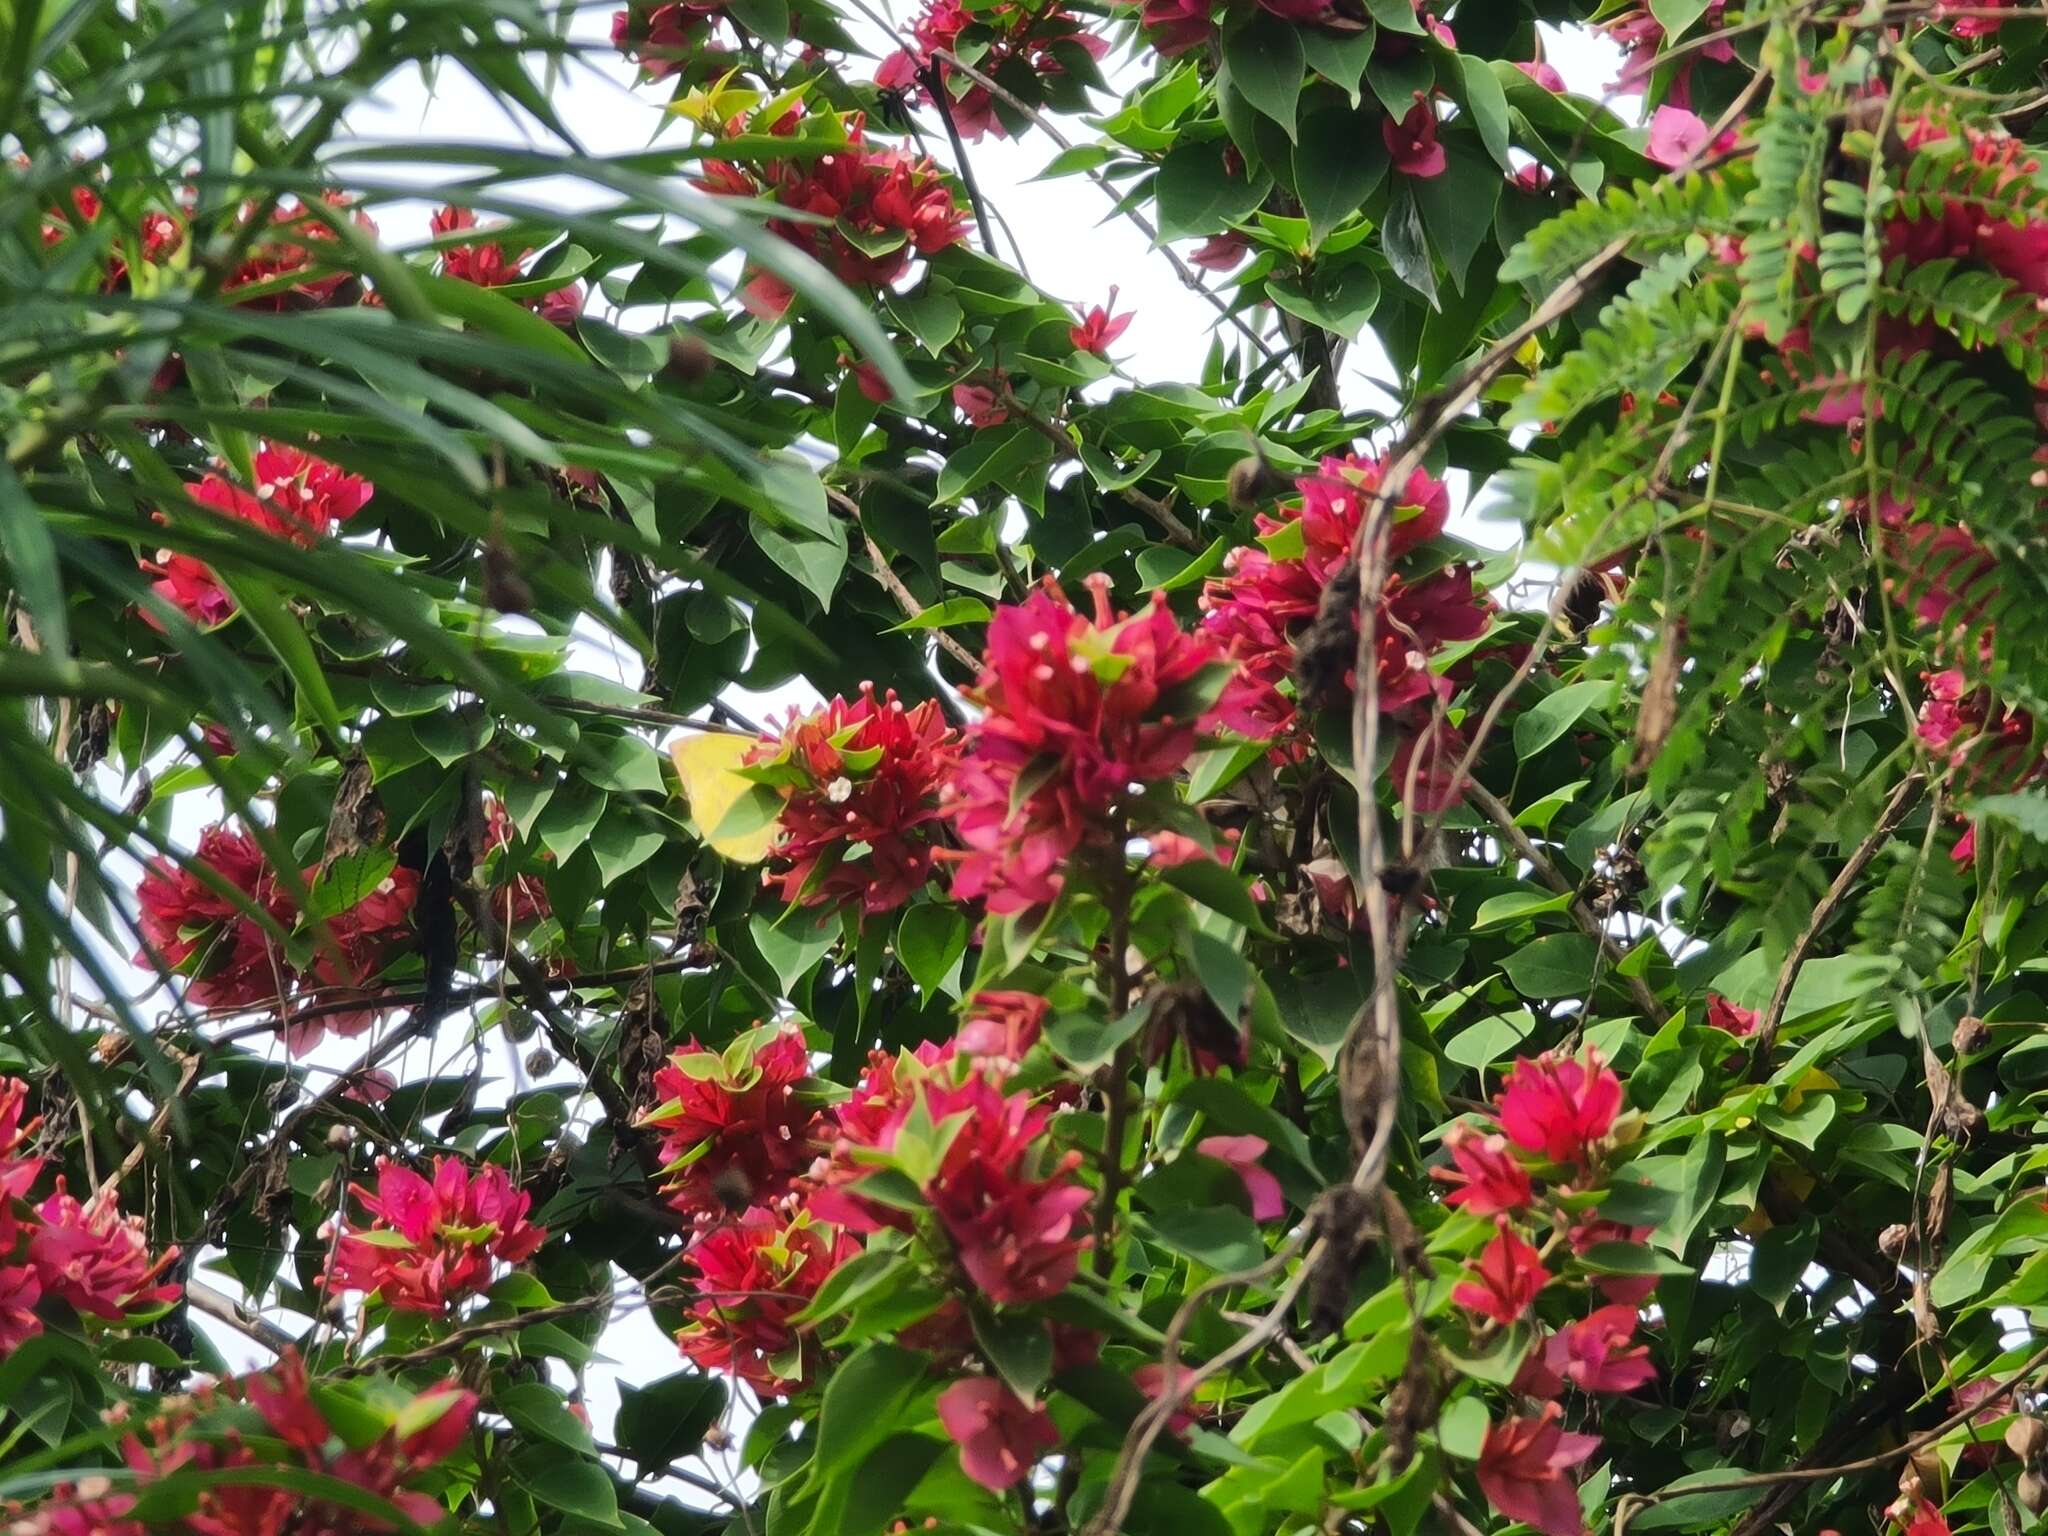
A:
(896, 206)
(659, 38)
(1505, 1279)
(297, 496)
(981, 405)
(1487, 1178)
(94, 1258)
(1544, 74)
(1269, 596)
(1522, 1467)
(1000, 1436)
(1010, 1207)
(1150, 1379)
(297, 244)
(1560, 1107)
(1077, 711)
(20, 1290)
(753, 1275)
(429, 1244)
(1099, 328)
(1678, 137)
(1220, 253)
(735, 1130)
(1242, 1154)
(1001, 1027)
(1010, 40)
(1737, 1020)
(1598, 1355)
(487, 264)
(1918, 1516)
(861, 781)
(1413, 142)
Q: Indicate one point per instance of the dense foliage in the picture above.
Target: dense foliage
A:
(1238, 1011)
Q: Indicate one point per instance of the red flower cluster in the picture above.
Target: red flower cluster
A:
(893, 205)
(423, 1433)
(228, 957)
(429, 1244)
(1078, 712)
(737, 1128)
(85, 1255)
(1522, 1469)
(857, 775)
(487, 264)
(1018, 35)
(660, 37)
(1267, 598)
(297, 497)
(1009, 1216)
(753, 1276)
(300, 245)
(1560, 1111)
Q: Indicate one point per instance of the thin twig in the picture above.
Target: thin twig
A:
(893, 584)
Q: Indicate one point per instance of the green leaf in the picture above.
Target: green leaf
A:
(1676, 16)
(1462, 1429)
(1087, 1041)
(1700, 1511)
(1219, 1237)
(1018, 1346)
(31, 555)
(794, 944)
(1198, 194)
(1517, 906)
(1265, 63)
(1555, 965)
(1339, 159)
(571, 1484)
(1556, 713)
(2026, 812)
(1487, 105)
(537, 1409)
(1223, 970)
(1395, 15)
(348, 880)
(930, 939)
(666, 1419)
(1338, 299)
(996, 454)
(1457, 207)
(864, 1399)
(954, 610)
(1218, 888)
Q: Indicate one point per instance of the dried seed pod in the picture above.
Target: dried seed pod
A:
(2033, 1492)
(2027, 1439)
